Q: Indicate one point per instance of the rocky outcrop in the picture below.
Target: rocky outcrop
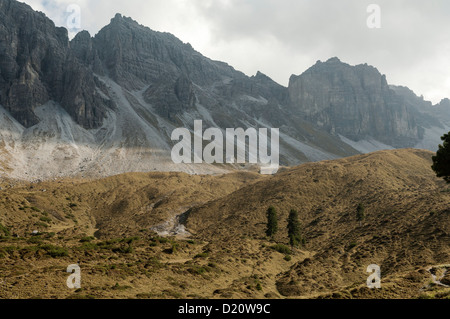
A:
(37, 65)
(171, 97)
(134, 56)
(355, 102)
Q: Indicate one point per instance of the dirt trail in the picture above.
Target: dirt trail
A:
(438, 273)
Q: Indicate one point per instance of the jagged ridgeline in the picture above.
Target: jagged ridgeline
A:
(107, 104)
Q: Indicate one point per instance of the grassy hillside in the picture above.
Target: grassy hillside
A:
(108, 226)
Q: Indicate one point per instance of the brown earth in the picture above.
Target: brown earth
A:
(406, 231)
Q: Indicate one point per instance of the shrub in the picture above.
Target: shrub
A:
(172, 250)
(34, 240)
(55, 251)
(196, 270)
(360, 212)
(45, 219)
(123, 250)
(4, 230)
(89, 246)
(119, 287)
(160, 240)
(282, 249)
(86, 239)
(131, 240)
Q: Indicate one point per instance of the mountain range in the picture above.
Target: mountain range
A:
(107, 104)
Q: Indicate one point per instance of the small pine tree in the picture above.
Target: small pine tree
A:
(360, 213)
(272, 222)
(294, 229)
(441, 162)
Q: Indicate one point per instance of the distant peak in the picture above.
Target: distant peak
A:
(334, 60)
(83, 35)
(445, 102)
(262, 77)
(259, 74)
(120, 18)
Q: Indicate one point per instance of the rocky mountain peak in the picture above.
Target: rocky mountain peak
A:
(334, 60)
(353, 101)
(262, 77)
(445, 103)
(119, 19)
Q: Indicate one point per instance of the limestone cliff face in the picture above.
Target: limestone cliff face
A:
(355, 102)
(134, 55)
(175, 76)
(37, 65)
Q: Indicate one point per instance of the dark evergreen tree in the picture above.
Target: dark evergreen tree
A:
(441, 162)
(272, 222)
(294, 229)
(360, 213)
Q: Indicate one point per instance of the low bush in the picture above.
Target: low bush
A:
(4, 230)
(282, 249)
(55, 251)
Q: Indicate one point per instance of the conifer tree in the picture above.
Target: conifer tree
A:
(272, 222)
(441, 162)
(360, 213)
(294, 229)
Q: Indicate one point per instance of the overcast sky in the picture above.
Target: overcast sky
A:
(284, 37)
